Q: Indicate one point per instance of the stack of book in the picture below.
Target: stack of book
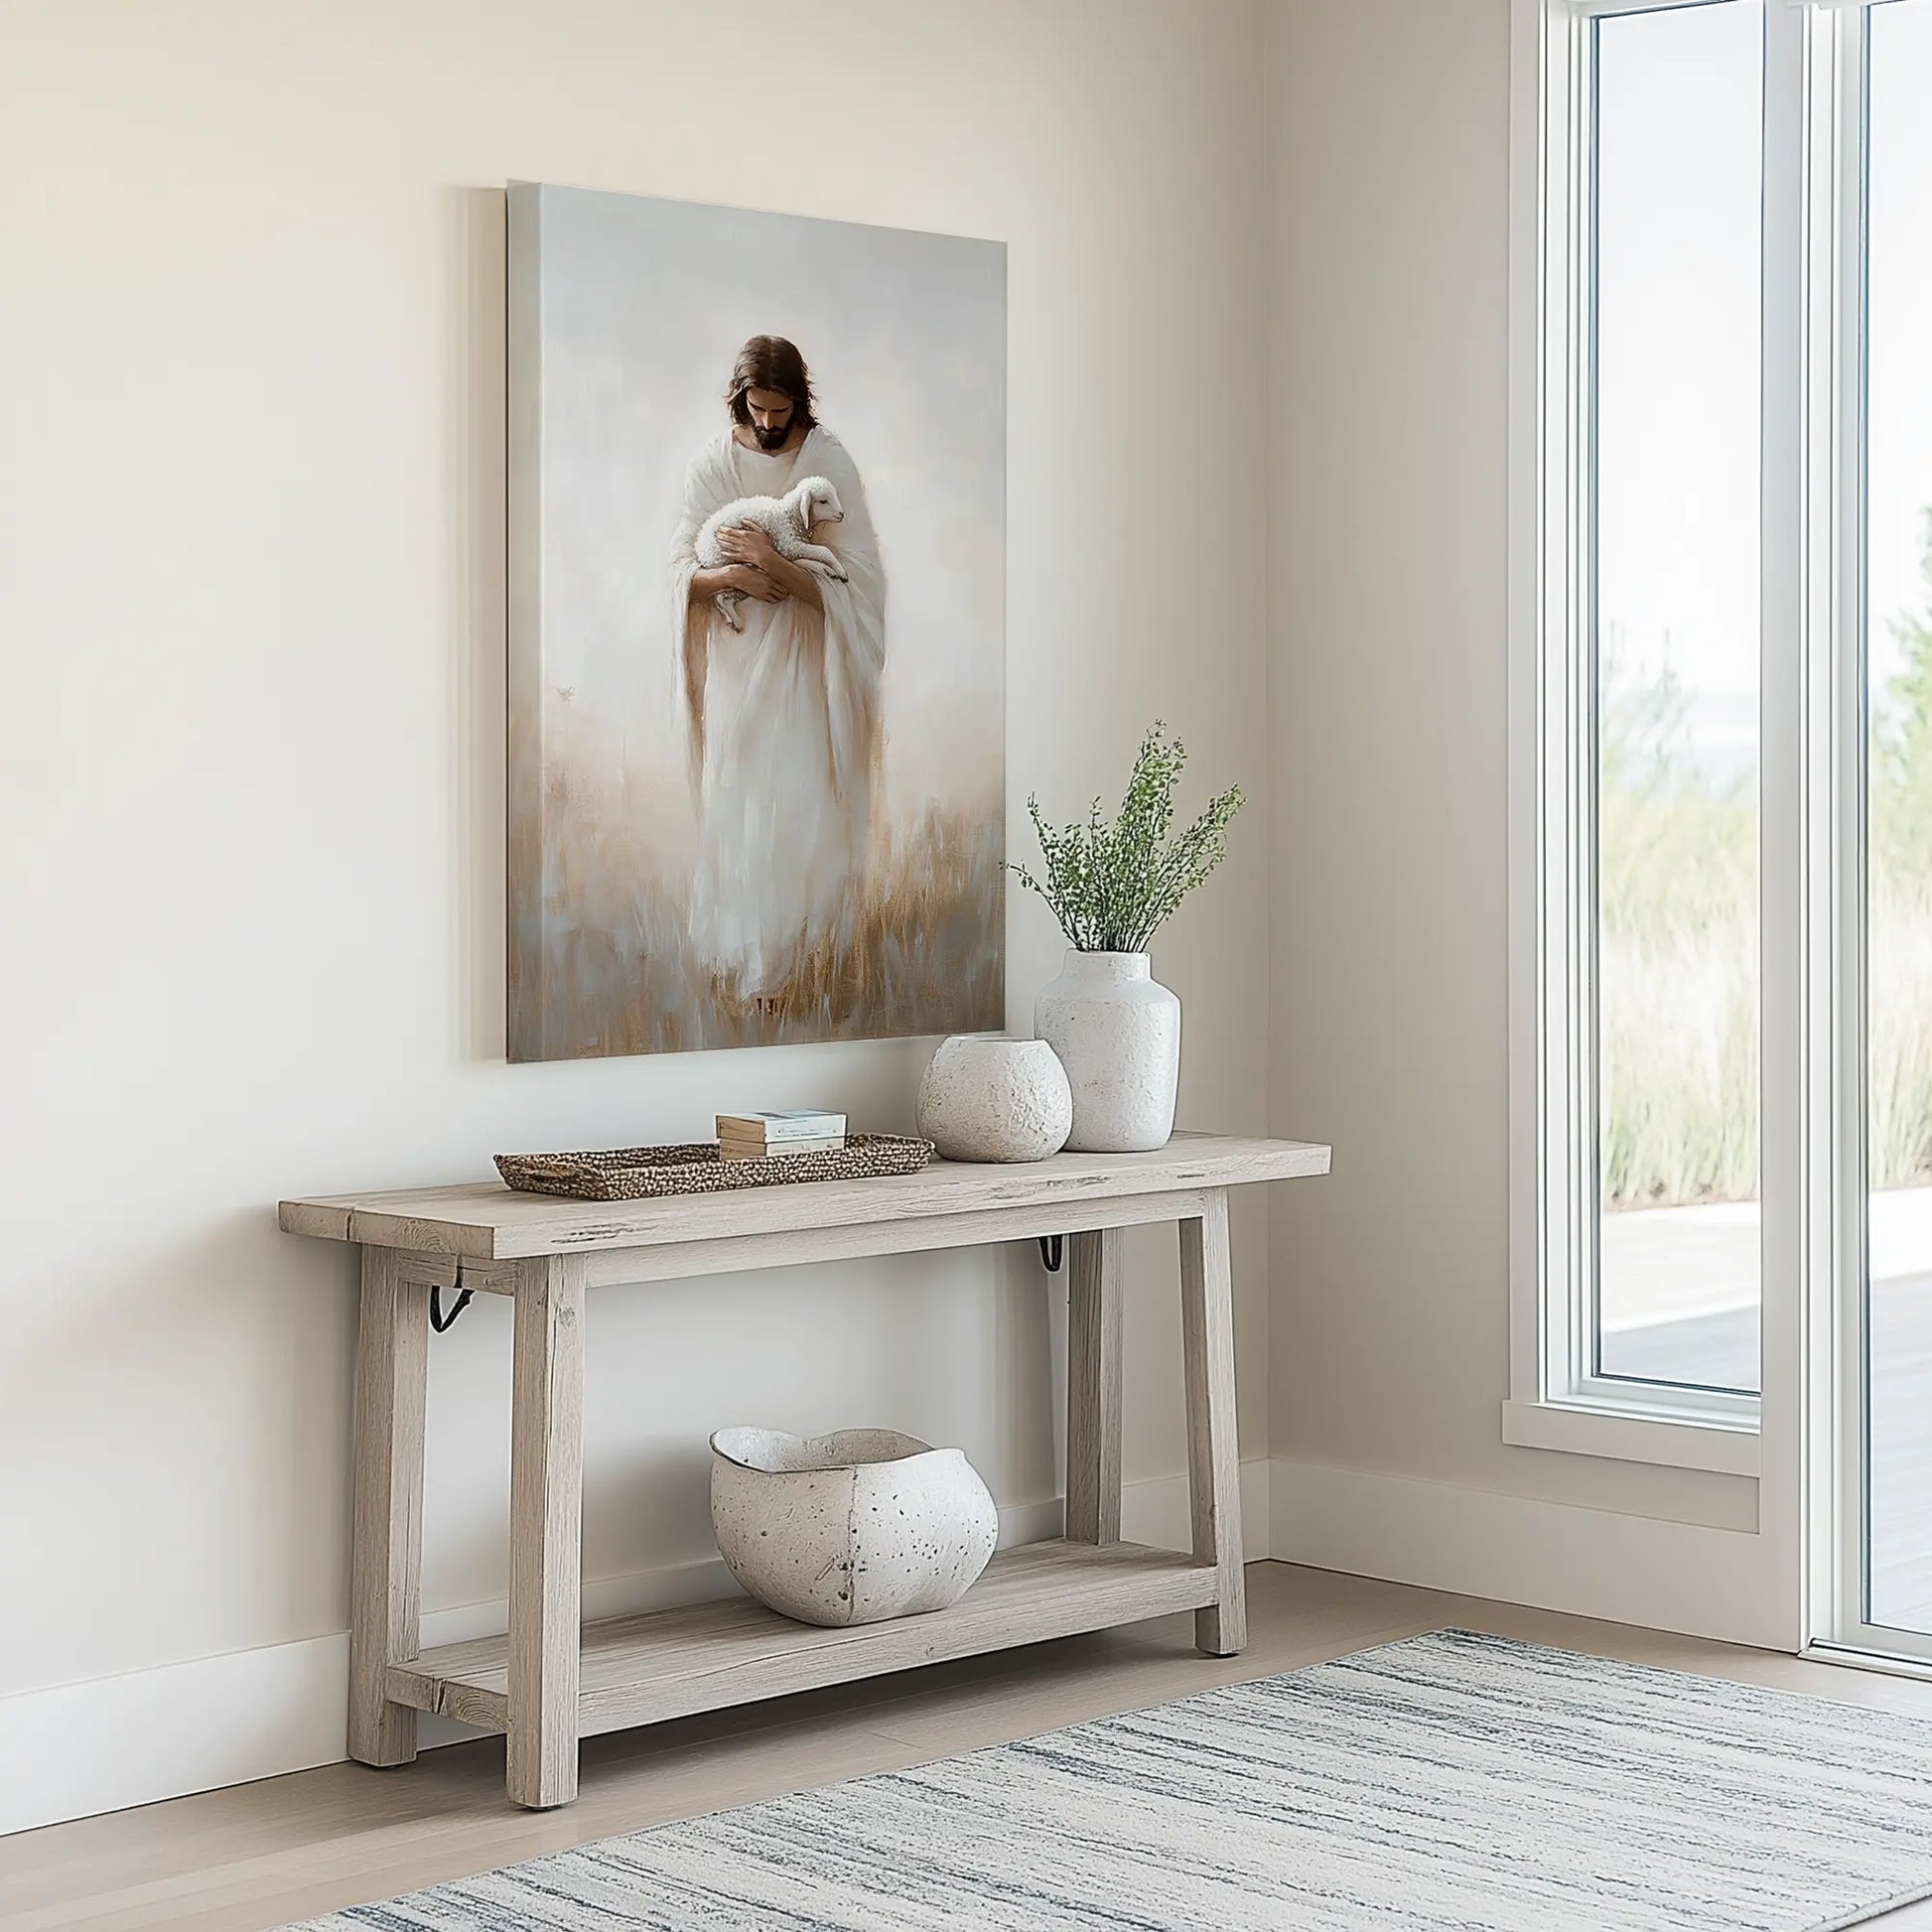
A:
(760, 1137)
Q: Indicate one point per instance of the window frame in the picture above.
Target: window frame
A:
(1806, 1444)
(1841, 1534)
(1556, 1401)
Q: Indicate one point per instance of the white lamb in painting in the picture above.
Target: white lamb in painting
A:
(788, 520)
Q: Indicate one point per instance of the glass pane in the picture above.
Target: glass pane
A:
(1678, 325)
(1899, 879)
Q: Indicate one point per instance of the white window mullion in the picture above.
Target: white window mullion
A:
(1804, 715)
(1569, 994)
(1543, 533)
(1837, 1435)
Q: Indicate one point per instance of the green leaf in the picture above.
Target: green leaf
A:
(1112, 885)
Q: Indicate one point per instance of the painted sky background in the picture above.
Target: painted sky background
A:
(645, 303)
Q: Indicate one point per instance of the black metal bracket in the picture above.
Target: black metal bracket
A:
(1051, 1252)
(437, 1319)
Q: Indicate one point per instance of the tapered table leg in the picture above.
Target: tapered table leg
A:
(386, 1546)
(546, 1521)
(1093, 1351)
(1213, 1460)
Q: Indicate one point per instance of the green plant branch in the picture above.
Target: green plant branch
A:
(1112, 885)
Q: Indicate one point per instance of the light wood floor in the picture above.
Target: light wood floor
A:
(260, 1855)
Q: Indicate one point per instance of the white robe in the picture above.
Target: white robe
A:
(782, 723)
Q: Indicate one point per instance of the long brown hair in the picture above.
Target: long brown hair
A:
(770, 363)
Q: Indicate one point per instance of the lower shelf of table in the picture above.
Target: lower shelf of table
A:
(639, 1670)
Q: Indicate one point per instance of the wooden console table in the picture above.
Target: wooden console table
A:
(549, 1682)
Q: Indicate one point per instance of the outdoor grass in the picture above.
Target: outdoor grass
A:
(1679, 1020)
(1678, 981)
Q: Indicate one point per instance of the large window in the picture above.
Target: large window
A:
(1721, 781)
(1674, 198)
(1639, 637)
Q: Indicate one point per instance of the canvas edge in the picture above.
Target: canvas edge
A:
(1003, 1019)
(524, 1030)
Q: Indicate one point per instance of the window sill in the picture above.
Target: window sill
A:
(1722, 1448)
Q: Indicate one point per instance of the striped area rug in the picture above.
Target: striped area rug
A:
(1450, 1781)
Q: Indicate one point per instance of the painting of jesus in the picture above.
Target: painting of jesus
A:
(757, 649)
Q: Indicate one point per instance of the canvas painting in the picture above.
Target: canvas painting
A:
(757, 679)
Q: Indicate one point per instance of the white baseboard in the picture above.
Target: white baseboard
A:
(109, 1742)
(113, 1742)
(1641, 1570)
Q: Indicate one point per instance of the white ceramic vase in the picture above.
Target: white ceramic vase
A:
(850, 1528)
(1117, 1031)
(992, 1097)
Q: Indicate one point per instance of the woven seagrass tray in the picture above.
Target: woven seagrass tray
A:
(697, 1168)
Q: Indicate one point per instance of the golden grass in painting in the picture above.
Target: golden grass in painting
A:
(924, 955)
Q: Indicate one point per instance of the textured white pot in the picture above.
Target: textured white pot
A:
(990, 1097)
(850, 1528)
(1117, 1031)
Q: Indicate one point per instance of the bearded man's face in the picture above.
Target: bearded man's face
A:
(771, 411)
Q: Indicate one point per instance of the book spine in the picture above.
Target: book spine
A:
(797, 1140)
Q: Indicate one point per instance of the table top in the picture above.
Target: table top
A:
(486, 1221)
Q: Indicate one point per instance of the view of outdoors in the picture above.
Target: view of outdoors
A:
(1680, 105)
(1898, 967)
(1677, 278)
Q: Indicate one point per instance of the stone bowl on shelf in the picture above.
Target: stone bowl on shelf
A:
(995, 1097)
(849, 1528)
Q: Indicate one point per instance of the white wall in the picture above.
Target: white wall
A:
(251, 614)
(1389, 128)
(251, 765)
